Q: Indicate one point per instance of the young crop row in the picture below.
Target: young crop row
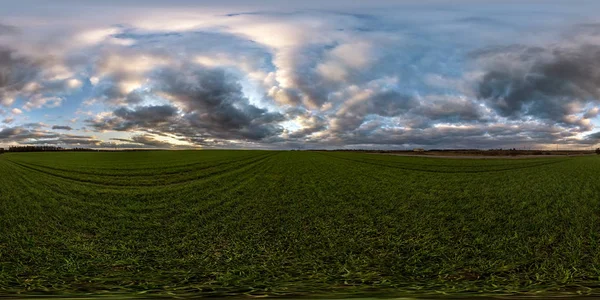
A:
(259, 222)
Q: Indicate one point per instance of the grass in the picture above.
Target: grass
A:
(297, 223)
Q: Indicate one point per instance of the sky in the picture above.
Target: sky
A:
(300, 74)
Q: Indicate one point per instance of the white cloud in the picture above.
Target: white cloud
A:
(41, 101)
(95, 36)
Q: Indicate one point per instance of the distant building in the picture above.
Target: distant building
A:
(419, 150)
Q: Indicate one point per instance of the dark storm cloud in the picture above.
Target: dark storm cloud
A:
(543, 83)
(59, 127)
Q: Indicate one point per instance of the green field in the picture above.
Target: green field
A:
(297, 223)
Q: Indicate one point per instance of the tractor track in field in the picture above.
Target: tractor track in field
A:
(237, 183)
(150, 184)
(217, 163)
(188, 190)
(229, 203)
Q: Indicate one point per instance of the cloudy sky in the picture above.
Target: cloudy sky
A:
(300, 74)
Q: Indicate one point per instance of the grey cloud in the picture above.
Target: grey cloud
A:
(125, 119)
(121, 140)
(310, 124)
(450, 109)
(22, 134)
(310, 67)
(150, 141)
(376, 136)
(542, 83)
(31, 79)
(8, 29)
(478, 21)
(147, 140)
(592, 139)
(109, 91)
(145, 117)
(499, 135)
(32, 136)
(15, 72)
(305, 77)
(65, 141)
(35, 125)
(591, 113)
(386, 103)
(210, 105)
(390, 103)
(214, 104)
(389, 108)
(59, 127)
(582, 31)
(9, 132)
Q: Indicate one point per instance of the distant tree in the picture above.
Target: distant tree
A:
(598, 151)
(34, 148)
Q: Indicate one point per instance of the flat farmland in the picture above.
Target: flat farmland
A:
(297, 223)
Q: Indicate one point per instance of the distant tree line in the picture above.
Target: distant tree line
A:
(56, 149)
(598, 151)
(43, 149)
(34, 148)
(81, 149)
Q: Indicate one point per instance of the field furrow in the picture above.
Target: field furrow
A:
(217, 223)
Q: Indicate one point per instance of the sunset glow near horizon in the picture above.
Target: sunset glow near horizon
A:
(273, 75)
